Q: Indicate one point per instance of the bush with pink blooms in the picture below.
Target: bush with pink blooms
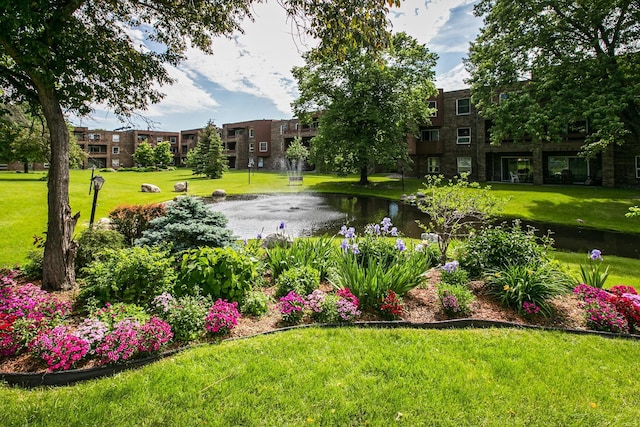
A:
(292, 308)
(58, 348)
(616, 310)
(222, 317)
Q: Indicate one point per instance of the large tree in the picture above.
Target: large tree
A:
(369, 103)
(23, 136)
(67, 55)
(541, 66)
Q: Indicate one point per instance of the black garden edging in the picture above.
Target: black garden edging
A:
(29, 380)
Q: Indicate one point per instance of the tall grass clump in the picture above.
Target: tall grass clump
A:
(318, 253)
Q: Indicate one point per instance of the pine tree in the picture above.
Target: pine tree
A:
(208, 157)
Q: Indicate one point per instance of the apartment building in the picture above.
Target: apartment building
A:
(114, 149)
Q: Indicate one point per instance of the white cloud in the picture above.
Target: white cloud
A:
(453, 79)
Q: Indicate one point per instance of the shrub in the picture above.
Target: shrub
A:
(291, 308)
(323, 306)
(92, 242)
(391, 306)
(302, 280)
(452, 274)
(152, 335)
(622, 289)
(629, 306)
(92, 330)
(603, 316)
(222, 317)
(186, 315)
(133, 220)
(255, 303)
(218, 272)
(589, 293)
(131, 275)
(494, 248)
(120, 344)
(111, 314)
(318, 253)
(455, 300)
(517, 284)
(58, 348)
(347, 305)
(188, 223)
(32, 268)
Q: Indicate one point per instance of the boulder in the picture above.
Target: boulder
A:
(180, 187)
(277, 239)
(219, 193)
(149, 188)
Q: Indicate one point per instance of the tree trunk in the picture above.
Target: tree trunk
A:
(25, 166)
(364, 176)
(60, 249)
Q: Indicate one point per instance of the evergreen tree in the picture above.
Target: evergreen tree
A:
(208, 157)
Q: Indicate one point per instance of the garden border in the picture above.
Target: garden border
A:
(62, 378)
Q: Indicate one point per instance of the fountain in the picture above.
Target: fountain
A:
(296, 156)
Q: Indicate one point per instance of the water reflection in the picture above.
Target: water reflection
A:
(312, 214)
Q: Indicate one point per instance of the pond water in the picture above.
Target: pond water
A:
(312, 214)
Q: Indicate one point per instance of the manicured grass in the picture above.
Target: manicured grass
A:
(355, 377)
(23, 199)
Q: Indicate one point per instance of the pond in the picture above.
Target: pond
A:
(313, 214)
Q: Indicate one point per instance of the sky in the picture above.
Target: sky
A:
(249, 75)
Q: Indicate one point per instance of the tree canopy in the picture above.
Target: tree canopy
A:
(368, 104)
(541, 67)
(68, 55)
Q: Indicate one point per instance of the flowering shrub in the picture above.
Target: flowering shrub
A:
(292, 307)
(592, 274)
(120, 344)
(92, 330)
(9, 346)
(163, 302)
(222, 317)
(347, 305)
(391, 306)
(455, 300)
(153, 334)
(589, 293)
(319, 304)
(619, 290)
(58, 348)
(603, 316)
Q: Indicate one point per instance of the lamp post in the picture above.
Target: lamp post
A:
(250, 166)
(97, 182)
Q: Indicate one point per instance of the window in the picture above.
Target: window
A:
(260, 162)
(464, 164)
(184, 148)
(430, 135)
(115, 138)
(159, 139)
(174, 150)
(464, 136)
(251, 147)
(463, 106)
(115, 150)
(115, 163)
(98, 149)
(433, 164)
(637, 166)
(263, 146)
(282, 129)
(173, 139)
(251, 133)
(433, 105)
(94, 136)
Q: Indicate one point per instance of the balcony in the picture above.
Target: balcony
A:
(429, 147)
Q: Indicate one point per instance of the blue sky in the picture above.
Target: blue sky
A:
(248, 77)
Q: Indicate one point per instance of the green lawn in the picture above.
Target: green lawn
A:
(23, 199)
(356, 377)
